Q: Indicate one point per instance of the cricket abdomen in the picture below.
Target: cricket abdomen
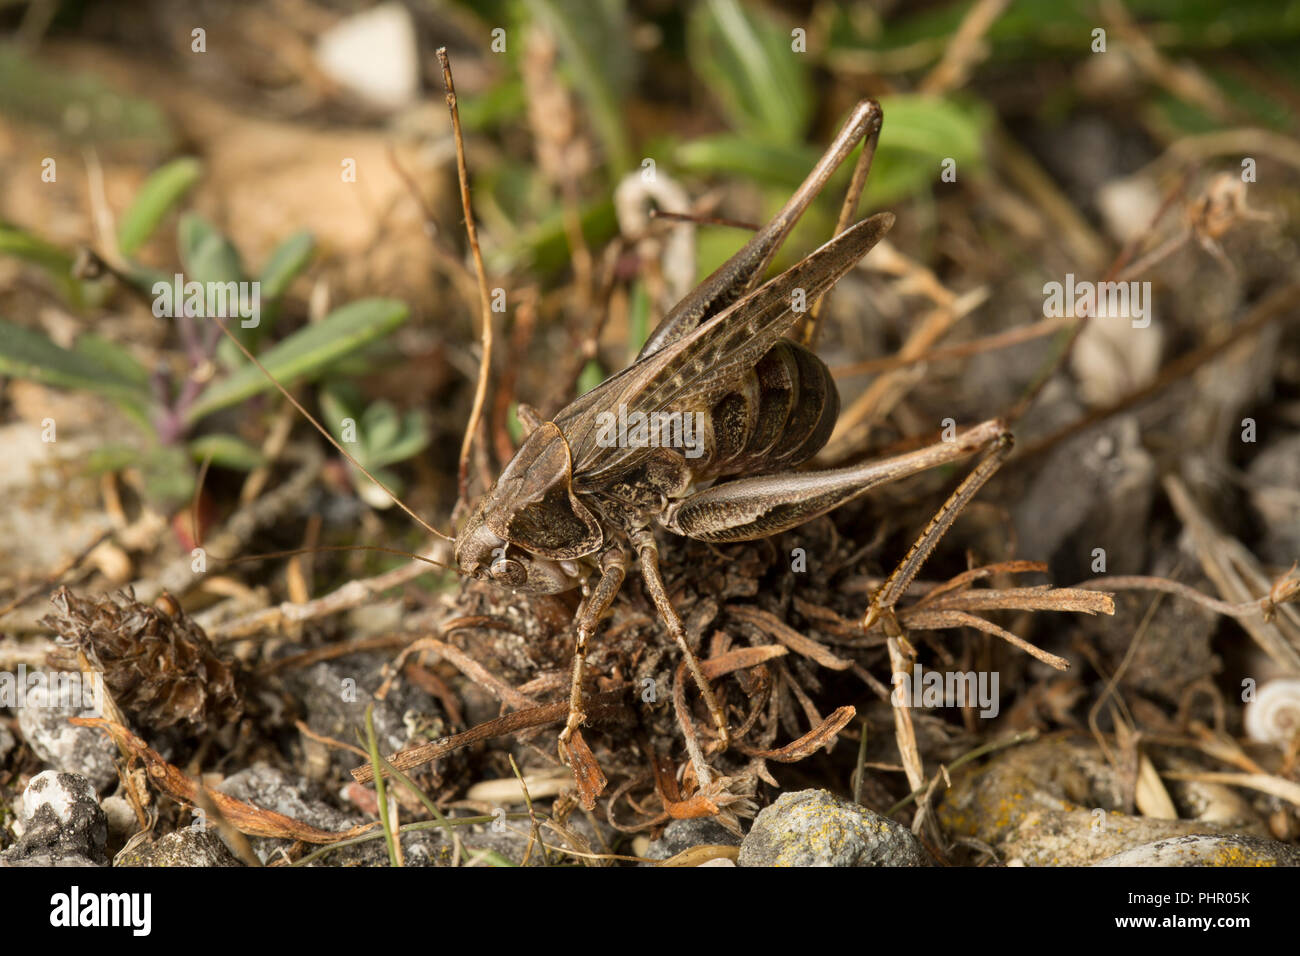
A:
(777, 416)
(781, 415)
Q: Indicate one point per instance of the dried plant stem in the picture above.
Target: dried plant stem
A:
(966, 48)
(485, 306)
(599, 707)
(350, 595)
(989, 343)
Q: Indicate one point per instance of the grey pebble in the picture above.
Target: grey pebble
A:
(189, 846)
(62, 824)
(1230, 849)
(85, 751)
(816, 828)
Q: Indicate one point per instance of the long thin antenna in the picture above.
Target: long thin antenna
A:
(342, 547)
(485, 361)
(328, 437)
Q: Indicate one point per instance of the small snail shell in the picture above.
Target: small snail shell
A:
(1273, 717)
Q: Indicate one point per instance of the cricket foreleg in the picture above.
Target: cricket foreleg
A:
(613, 568)
(648, 551)
(882, 604)
(752, 508)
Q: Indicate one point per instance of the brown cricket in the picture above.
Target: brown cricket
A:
(570, 508)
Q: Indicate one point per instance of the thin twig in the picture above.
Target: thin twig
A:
(485, 306)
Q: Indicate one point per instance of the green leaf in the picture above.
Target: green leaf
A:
(226, 451)
(411, 439)
(160, 192)
(114, 456)
(55, 261)
(289, 258)
(112, 356)
(735, 155)
(339, 400)
(207, 255)
(748, 64)
(169, 478)
(591, 376)
(920, 133)
(307, 353)
(380, 424)
(513, 425)
(23, 245)
(545, 247)
(30, 355)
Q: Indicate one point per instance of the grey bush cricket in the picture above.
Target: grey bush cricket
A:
(569, 510)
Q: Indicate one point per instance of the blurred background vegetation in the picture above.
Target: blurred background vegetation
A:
(214, 138)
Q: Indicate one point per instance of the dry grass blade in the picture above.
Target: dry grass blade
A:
(1040, 598)
(809, 743)
(1239, 579)
(941, 620)
(353, 594)
(1275, 786)
(243, 816)
(471, 668)
(772, 625)
(740, 659)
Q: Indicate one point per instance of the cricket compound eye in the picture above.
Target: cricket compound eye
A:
(508, 572)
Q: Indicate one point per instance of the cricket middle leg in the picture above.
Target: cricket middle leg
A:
(613, 568)
(644, 541)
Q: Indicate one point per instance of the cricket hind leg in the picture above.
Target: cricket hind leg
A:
(613, 569)
(741, 273)
(749, 508)
(648, 551)
(883, 601)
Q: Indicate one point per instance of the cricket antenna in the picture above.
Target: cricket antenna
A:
(328, 437)
(344, 547)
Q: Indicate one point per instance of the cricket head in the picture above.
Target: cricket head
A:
(530, 529)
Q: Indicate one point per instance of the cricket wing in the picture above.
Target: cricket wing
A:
(695, 371)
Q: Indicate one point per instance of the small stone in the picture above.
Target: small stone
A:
(1231, 849)
(681, 835)
(61, 820)
(335, 694)
(6, 741)
(1274, 477)
(374, 55)
(62, 746)
(816, 828)
(189, 846)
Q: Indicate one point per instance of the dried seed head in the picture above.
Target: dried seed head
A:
(157, 663)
